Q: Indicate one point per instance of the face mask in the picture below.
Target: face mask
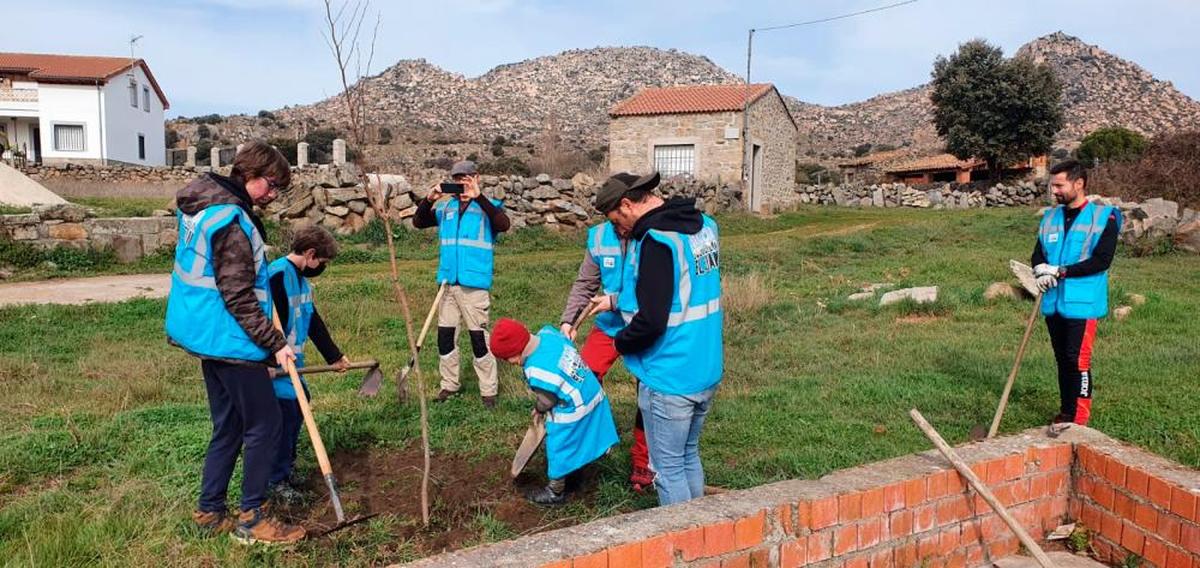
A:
(312, 272)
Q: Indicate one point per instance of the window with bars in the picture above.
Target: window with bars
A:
(69, 138)
(146, 99)
(674, 159)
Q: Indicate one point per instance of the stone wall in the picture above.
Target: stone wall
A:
(74, 226)
(937, 196)
(631, 141)
(771, 126)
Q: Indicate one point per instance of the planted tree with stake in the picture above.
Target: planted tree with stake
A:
(345, 25)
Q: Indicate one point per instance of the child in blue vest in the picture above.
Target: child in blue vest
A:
(312, 249)
(579, 421)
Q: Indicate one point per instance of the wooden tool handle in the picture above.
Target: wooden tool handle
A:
(1012, 375)
(981, 489)
(437, 300)
(309, 422)
(328, 368)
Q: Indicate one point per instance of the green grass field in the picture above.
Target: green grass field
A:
(105, 426)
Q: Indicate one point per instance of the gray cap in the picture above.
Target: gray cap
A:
(463, 168)
(617, 185)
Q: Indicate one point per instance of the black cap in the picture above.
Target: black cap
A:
(617, 185)
(463, 168)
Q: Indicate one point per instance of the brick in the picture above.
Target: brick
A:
(858, 562)
(845, 540)
(993, 528)
(1060, 482)
(597, 560)
(956, 559)
(819, 546)
(849, 507)
(783, 515)
(872, 503)
(822, 513)
(1103, 494)
(1178, 559)
(1020, 489)
(1039, 486)
(971, 533)
(1132, 538)
(558, 564)
(748, 532)
(1183, 503)
(1155, 552)
(1170, 529)
(689, 542)
(1123, 506)
(914, 492)
(1146, 517)
(927, 547)
(1002, 548)
(1114, 471)
(996, 471)
(739, 561)
(658, 552)
(1110, 527)
(956, 484)
(1063, 456)
(952, 510)
(625, 555)
(936, 486)
(1087, 459)
(1137, 482)
(1004, 494)
(900, 524)
(1190, 538)
(905, 556)
(893, 497)
(948, 541)
(760, 558)
(974, 555)
(1160, 492)
(792, 553)
(871, 533)
(882, 559)
(719, 538)
(1014, 467)
(924, 518)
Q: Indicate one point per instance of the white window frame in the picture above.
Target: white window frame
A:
(54, 135)
(687, 154)
(146, 98)
(133, 93)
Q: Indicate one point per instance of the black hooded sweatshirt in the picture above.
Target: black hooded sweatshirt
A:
(656, 273)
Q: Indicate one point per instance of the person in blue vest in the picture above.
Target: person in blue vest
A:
(313, 247)
(579, 422)
(600, 273)
(467, 228)
(670, 300)
(219, 309)
(1074, 250)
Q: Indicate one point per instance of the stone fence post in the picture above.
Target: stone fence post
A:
(214, 157)
(339, 151)
(191, 157)
(302, 154)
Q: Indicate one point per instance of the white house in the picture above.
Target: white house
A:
(81, 109)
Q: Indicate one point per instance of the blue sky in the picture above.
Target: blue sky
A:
(244, 55)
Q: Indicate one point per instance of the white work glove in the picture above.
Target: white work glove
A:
(1047, 276)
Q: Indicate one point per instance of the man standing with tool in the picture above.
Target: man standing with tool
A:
(601, 272)
(219, 309)
(313, 247)
(467, 227)
(1076, 243)
(670, 299)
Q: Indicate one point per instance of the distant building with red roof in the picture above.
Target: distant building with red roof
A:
(696, 131)
(81, 109)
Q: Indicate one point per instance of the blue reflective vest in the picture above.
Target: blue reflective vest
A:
(465, 256)
(196, 316)
(580, 428)
(604, 246)
(1085, 297)
(689, 356)
(300, 311)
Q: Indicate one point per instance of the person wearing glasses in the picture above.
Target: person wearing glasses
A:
(219, 310)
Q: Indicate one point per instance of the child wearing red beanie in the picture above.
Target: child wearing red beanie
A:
(579, 422)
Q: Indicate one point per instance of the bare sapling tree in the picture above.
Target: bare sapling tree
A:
(345, 23)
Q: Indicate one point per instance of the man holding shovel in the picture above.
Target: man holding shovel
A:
(467, 228)
(1075, 247)
(601, 272)
(313, 247)
(219, 310)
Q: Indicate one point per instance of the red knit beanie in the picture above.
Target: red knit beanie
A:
(509, 338)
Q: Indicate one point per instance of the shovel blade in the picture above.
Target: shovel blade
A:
(529, 444)
(371, 382)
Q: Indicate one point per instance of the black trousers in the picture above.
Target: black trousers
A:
(1073, 340)
(246, 420)
(289, 438)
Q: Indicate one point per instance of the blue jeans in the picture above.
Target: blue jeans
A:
(673, 424)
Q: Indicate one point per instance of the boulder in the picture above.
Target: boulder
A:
(999, 290)
(67, 231)
(340, 195)
(338, 210)
(357, 206)
(542, 192)
(584, 184)
(543, 179)
(1136, 299)
(920, 295)
(860, 296)
(1122, 312)
(69, 212)
(402, 201)
(1187, 237)
(299, 207)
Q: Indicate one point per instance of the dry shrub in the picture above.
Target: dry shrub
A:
(1170, 169)
(745, 293)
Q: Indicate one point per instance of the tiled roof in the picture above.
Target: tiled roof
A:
(876, 158)
(49, 68)
(938, 162)
(690, 99)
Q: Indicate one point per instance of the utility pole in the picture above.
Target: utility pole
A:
(746, 118)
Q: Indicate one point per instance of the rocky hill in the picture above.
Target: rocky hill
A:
(570, 93)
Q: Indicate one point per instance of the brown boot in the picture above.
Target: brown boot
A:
(444, 395)
(489, 402)
(213, 522)
(255, 526)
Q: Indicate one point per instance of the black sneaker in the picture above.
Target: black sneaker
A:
(444, 395)
(546, 496)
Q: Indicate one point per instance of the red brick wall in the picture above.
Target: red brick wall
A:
(1135, 504)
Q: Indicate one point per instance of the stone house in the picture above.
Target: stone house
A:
(697, 131)
(871, 167)
(947, 168)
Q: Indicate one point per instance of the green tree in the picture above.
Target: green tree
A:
(1113, 144)
(996, 109)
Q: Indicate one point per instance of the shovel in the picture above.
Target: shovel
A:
(529, 444)
(370, 384)
(1024, 275)
(402, 377)
(314, 435)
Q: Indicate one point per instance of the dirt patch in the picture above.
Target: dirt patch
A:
(461, 490)
(86, 290)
